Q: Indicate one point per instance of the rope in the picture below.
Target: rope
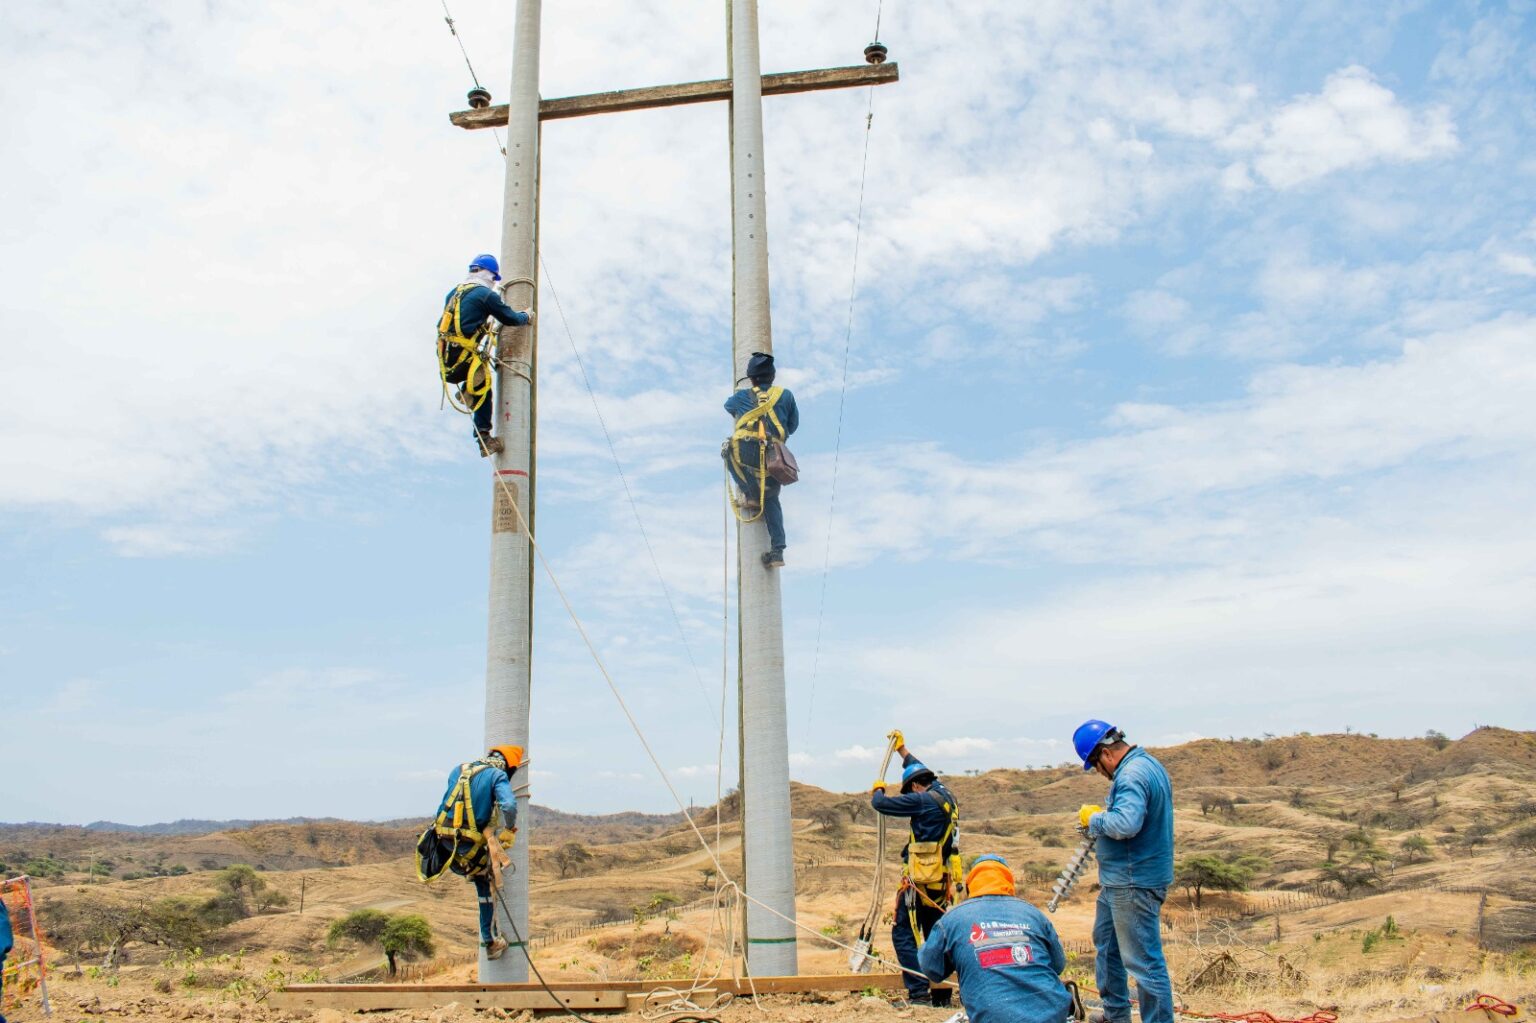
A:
(570, 610)
(1260, 1016)
(624, 479)
(842, 400)
(1493, 1004)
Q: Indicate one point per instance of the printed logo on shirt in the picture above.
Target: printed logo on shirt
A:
(1004, 955)
(978, 934)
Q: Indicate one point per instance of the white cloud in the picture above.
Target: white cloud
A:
(1353, 122)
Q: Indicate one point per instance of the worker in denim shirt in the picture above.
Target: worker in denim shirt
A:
(1134, 842)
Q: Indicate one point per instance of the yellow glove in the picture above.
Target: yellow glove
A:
(507, 837)
(878, 786)
(897, 739)
(1088, 810)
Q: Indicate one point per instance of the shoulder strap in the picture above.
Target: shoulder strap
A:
(458, 308)
(765, 403)
(950, 810)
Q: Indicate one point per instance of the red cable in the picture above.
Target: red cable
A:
(1492, 1003)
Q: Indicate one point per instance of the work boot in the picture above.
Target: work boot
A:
(489, 445)
(1097, 1016)
(940, 999)
(495, 947)
(774, 558)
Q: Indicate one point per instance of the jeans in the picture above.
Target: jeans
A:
(905, 944)
(1125, 933)
(773, 511)
(487, 907)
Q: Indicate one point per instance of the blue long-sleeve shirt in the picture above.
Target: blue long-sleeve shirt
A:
(488, 789)
(1007, 958)
(1135, 829)
(929, 818)
(481, 303)
(745, 400)
(6, 941)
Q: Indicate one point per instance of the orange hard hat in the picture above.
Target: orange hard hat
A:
(513, 755)
(989, 875)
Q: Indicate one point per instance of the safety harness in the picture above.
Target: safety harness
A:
(928, 869)
(456, 840)
(751, 427)
(455, 349)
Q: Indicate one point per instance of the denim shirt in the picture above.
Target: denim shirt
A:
(1135, 830)
(745, 400)
(6, 941)
(482, 303)
(1006, 956)
(488, 789)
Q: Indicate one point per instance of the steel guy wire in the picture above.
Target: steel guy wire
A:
(624, 479)
(842, 401)
(453, 31)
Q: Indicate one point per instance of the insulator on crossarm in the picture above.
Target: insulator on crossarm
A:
(479, 98)
(875, 52)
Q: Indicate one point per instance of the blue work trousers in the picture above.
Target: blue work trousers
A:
(487, 907)
(773, 512)
(1125, 933)
(905, 944)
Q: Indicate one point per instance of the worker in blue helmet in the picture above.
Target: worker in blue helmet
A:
(765, 415)
(931, 870)
(465, 338)
(1133, 835)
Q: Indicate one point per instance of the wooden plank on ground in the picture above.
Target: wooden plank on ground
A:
(413, 996)
(815, 982)
(688, 92)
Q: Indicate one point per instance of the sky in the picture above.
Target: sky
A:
(1191, 385)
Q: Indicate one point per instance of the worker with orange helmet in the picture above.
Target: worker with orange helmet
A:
(1004, 952)
(456, 840)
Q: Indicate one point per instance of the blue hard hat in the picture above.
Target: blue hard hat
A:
(486, 261)
(1089, 735)
(989, 858)
(914, 772)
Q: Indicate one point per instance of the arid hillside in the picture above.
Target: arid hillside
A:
(1382, 877)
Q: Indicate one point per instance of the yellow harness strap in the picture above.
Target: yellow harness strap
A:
(750, 427)
(450, 334)
(463, 830)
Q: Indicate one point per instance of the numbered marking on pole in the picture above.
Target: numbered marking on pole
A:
(504, 515)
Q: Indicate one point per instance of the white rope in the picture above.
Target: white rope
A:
(730, 883)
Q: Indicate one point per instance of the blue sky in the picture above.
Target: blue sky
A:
(1193, 385)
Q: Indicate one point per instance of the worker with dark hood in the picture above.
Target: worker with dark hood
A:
(765, 415)
(931, 864)
(456, 840)
(464, 341)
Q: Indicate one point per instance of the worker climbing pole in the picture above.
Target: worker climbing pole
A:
(465, 344)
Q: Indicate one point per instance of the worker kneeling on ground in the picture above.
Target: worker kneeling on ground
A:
(932, 859)
(1003, 951)
(756, 455)
(457, 839)
(1134, 844)
(465, 339)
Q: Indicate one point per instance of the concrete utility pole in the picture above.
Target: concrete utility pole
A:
(509, 662)
(769, 857)
(771, 944)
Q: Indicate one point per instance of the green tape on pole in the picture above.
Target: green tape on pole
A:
(771, 941)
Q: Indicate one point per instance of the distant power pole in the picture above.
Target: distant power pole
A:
(771, 943)
(302, 882)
